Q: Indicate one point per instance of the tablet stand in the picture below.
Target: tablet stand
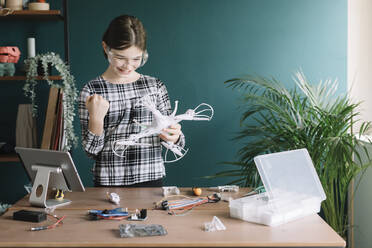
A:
(41, 183)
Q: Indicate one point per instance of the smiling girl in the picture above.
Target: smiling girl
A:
(108, 109)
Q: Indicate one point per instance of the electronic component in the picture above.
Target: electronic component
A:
(139, 215)
(184, 203)
(108, 214)
(170, 190)
(226, 188)
(141, 230)
(113, 197)
(27, 215)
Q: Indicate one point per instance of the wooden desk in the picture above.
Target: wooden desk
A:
(131, 198)
(183, 231)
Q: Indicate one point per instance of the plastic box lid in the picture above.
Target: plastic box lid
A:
(289, 173)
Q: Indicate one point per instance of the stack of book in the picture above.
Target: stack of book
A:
(54, 136)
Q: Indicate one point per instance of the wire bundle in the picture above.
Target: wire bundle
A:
(186, 204)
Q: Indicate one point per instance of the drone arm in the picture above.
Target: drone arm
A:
(140, 124)
(201, 118)
(178, 152)
(175, 108)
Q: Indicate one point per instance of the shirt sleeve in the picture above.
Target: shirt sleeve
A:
(92, 143)
(164, 106)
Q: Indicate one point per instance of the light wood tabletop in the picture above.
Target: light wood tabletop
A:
(131, 198)
(78, 230)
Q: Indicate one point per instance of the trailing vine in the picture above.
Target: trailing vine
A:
(67, 85)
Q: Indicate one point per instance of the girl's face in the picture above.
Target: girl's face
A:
(124, 62)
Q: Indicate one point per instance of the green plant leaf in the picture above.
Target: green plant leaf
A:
(308, 116)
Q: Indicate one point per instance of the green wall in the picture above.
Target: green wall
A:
(194, 47)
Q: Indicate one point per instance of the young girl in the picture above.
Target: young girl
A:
(108, 109)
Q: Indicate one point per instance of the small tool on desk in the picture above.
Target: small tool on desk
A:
(141, 230)
(170, 190)
(139, 215)
(226, 188)
(113, 197)
(108, 214)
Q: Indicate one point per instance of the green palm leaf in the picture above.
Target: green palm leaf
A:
(308, 116)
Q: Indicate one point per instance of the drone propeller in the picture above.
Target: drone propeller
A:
(201, 108)
(178, 152)
(119, 149)
(197, 114)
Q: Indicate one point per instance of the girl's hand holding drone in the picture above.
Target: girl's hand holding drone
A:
(171, 134)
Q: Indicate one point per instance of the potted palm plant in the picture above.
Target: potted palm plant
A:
(307, 116)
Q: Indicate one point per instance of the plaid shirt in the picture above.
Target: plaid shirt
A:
(140, 163)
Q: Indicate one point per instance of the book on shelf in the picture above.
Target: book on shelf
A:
(63, 141)
(49, 118)
(53, 134)
(58, 123)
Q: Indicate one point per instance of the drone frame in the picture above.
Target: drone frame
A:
(158, 124)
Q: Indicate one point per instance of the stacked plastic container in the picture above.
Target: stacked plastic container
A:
(293, 190)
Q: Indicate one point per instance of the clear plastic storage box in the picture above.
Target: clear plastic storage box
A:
(293, 190)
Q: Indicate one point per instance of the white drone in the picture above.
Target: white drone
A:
(160, 122)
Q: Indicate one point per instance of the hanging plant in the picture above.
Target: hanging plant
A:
(67, 84)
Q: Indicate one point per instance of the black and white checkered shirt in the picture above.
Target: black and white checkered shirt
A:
(140, 163)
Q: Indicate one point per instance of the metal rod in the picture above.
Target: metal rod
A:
(66, 31)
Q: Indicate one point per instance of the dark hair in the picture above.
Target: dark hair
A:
(123, 32)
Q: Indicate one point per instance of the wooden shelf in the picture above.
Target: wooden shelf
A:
(9, 157)
(23, 78)
(19, 17)
(34, 14)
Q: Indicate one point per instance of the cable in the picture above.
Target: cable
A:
(186, 204)
(58, 222)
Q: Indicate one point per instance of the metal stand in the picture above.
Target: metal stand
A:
(39, 191)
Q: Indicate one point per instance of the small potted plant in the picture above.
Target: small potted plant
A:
(67, 84)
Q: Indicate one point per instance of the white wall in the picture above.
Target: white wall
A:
(360, 88)
(360, 54)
